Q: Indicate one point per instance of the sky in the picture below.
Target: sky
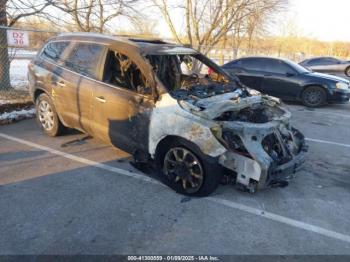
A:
(326, 20)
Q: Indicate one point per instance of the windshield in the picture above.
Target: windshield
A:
(191, 75)
(300, 69)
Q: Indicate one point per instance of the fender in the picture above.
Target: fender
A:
(169, 119)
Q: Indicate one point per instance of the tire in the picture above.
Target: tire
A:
(314, 96)
(211, 171)
(347, 71)
(47, 117)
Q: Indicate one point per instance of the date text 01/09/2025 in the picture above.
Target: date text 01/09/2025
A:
(173, 258)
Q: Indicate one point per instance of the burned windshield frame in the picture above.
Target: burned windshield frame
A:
(167, 67)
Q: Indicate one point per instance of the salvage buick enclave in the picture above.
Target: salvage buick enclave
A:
(151, 99)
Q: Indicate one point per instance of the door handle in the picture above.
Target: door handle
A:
(61, 84)
(100, 99)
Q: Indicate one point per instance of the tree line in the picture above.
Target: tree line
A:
(206, 24)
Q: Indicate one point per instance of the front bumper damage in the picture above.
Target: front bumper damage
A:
(270, 152)
(262, 148)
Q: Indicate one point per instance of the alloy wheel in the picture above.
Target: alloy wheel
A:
(183, 167)
(314, 97)
(46, 115)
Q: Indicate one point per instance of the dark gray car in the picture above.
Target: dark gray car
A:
(327, 65)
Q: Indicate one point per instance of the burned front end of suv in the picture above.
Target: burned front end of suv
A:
(262, 148)
(248, 134)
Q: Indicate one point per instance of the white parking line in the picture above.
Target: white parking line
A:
(327, 142)
(82, 160)
(282, 219)
(227, 203)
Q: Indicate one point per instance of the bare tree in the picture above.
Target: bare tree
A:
(93, 15)
(87, 16)
(144, 26)
(12, 11)
(210, 21)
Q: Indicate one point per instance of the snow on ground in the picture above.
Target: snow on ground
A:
(18, 73)
(4, 102)
(17, 115)
(21, 53)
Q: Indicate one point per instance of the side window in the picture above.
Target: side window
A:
(277, 67)
(54, 50)
(252, 64)
(122, 72)
(83, 59)
(232, 64)
(330, 61)
(314, 62)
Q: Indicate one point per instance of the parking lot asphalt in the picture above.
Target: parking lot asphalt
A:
(85, 198)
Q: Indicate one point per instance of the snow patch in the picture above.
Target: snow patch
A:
(17, 115)
(18, 73)
(4, 102)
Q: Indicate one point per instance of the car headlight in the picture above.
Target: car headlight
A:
(341, 85)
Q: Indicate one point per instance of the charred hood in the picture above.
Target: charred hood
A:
(238, 105)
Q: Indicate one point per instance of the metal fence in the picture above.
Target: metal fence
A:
(17, 48)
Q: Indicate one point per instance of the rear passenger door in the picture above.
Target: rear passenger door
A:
(49, 72)
(77, 79)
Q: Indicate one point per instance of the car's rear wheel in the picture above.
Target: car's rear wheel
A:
(347, 71)
(187, 171)
(314, 96)
(47, 116)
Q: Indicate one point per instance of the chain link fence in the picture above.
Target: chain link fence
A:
(17, 48)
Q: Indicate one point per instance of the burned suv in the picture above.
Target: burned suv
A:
(152, 99)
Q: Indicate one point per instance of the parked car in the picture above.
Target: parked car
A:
(327, 65)
(289, 81)
(147, 98)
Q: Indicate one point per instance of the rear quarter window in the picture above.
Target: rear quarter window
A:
(54, 50)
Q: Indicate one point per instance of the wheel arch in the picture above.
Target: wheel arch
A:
(316, 85)
(346, 70)
(37, 92)
(169, 139)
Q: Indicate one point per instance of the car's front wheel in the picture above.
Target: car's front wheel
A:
(47, 116)
(188, 171)
(314, 96)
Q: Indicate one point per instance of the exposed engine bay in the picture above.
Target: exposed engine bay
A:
(200, 91)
